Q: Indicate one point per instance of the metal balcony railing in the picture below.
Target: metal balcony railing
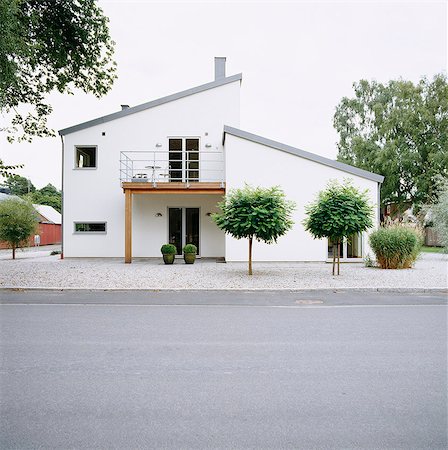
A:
(185, 167)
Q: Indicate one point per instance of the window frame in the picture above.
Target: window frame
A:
(76, 147)
(344, 257)
(77, 222)
(185, 169)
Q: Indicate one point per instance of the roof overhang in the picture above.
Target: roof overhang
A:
(301, 153)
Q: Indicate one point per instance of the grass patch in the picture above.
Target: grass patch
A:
(427, 249)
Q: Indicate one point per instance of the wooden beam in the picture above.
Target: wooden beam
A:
(128, 226)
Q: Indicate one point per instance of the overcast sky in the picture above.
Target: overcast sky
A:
(298, 60)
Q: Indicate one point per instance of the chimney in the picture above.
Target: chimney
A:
(124, 107)
(220, 67)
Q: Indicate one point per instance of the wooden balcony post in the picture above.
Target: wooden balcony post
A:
(128, 227)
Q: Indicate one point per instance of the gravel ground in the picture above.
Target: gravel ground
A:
(39, 269)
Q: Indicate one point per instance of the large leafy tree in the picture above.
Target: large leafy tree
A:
(259, 213)
(337, 213)
(48, 45)
(18, 221)
(399, 130)
(19, 185)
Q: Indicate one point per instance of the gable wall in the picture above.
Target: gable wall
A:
(96, 195)
(300, 179)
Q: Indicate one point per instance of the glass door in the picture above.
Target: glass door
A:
(183, 227)
(183, 159)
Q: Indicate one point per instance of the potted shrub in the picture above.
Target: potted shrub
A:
(169, 252)
(190, 252)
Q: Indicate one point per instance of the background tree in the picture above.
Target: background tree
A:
(250, 213)
(18, 221)
(399, 130)
(18, 185)
(439, 215)
(338, 212)
(48, 45)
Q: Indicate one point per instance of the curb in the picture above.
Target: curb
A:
(405, 290)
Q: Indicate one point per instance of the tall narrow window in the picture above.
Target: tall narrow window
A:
(175, 159)
(192, 147)
(85, 157)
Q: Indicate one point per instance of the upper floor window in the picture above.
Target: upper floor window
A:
(85, 157)
(184, 159)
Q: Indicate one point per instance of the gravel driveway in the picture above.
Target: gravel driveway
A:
(39, 269)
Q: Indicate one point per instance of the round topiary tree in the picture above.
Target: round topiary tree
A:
(18, 221)
(338, 212)
(258, 213)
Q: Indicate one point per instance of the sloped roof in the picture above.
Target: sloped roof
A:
(49, 213)
(152, 104)
(302, 153)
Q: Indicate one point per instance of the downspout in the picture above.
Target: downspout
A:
(379, 203)
(62, 200)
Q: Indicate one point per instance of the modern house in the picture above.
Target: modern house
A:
(154, 173)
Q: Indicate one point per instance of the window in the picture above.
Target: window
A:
(85, 157)
(90, 227)
(183, 159)
(350, 248)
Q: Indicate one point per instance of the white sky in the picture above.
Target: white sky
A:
(298, 60)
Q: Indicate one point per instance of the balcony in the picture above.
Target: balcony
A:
(186, 172)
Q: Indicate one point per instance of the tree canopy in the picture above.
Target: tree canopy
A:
(399, 130)
(48, 45)
(18, 221)
(259, 213)
(338, 212)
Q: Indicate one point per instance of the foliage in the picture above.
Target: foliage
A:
(396, 246)
(259, 213)
(18, 221)
(168, 249)
(399, 130)
(190, 248)
(48, 195)
(338, 212)
(439, 213)
(48, 45)
(7, 171)
(19, 185)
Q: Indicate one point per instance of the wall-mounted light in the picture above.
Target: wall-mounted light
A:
(159, 214)
(208, 145)
(158, 145)
(208, 214)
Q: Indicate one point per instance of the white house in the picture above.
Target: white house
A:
(154, 173)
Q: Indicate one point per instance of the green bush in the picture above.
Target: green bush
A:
(396, 246)
(168, 249)
(190, 248)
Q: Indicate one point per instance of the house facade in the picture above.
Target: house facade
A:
(154, 173)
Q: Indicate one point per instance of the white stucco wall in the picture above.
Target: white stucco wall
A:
(96, 194)
(301, 179)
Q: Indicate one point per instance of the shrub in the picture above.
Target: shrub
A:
(190, 248)
(396, 246)
(168, 249)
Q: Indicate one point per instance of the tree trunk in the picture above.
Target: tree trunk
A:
(334, 257)
(13, 251)
(250, 256)
(339, 263)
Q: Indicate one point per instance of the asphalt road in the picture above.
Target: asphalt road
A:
(168, 370)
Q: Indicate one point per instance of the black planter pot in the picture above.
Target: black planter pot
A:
(168, 258)
(189, 258)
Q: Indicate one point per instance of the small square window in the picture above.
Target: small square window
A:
(85, 157)
(90, 227)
